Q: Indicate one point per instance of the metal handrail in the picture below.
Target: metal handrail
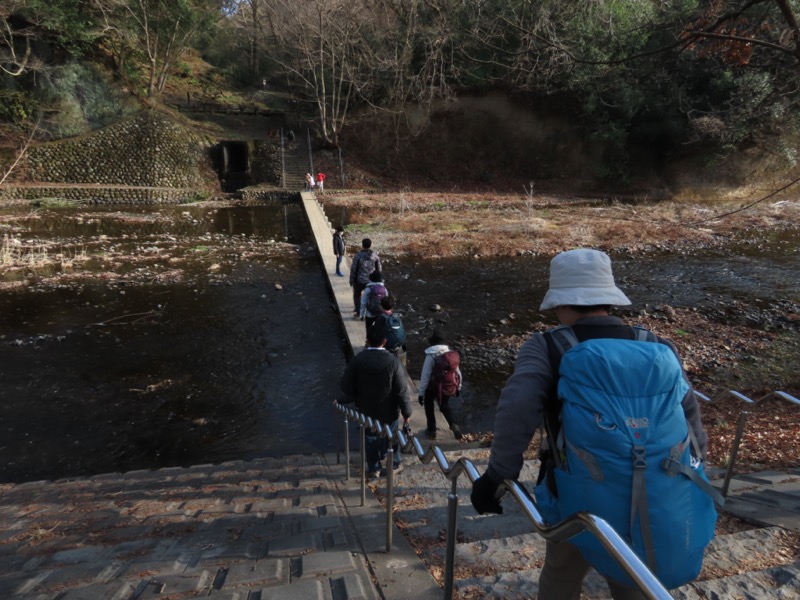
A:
(740, 424)
(566, 529)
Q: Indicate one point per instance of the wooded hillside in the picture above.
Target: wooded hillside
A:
(642, 84)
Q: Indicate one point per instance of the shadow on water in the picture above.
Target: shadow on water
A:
(182, 338)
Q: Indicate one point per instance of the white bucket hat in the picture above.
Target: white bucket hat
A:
(582, 277)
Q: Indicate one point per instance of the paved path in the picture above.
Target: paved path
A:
(283, 528)
(273, 528)
(766, 498)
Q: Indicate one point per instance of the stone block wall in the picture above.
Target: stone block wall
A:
(266, 162)
(256, 194)
(148, 150)
(80, 194)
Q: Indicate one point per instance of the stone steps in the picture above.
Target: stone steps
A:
(296, 163)
(271, 528)
(293, 528)
(498, 556)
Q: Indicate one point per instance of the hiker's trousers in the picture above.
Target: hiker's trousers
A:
(430, 402)
(563, 573)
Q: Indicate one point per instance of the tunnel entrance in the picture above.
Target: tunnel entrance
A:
(233, 165)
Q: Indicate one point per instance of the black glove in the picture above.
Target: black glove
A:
(484, 495)
(421, 400)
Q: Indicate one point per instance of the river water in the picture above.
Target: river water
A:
(177, 335)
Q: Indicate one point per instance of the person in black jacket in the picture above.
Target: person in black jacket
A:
(376, 381)
(338, 249)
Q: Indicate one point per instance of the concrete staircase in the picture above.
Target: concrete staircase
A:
(498, 556)
(289, 528)
(296, 161)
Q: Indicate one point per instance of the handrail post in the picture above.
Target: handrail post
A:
(734, 452)
(363, 467)
(346, 449)
(642, 577)
(452, 533)
(389, 495)
(283, 162)
(310, 155)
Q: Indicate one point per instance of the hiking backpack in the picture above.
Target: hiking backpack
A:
(445, 376)
(376, 293)
(623, 453)
(394, 331)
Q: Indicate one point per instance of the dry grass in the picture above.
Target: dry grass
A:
(15, 254)
(449, 224)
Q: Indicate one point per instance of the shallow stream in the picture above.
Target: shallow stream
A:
(143, 337)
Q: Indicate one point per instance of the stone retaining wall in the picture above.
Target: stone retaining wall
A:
(255, 194)
(148, 150)
(266, 162)
(101, 195)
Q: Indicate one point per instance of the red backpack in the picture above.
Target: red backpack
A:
(445, 377)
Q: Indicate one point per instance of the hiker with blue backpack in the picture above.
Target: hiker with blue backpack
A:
(624, 440)
(393, 329)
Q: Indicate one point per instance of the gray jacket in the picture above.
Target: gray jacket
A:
(522, 401)
(364, 263)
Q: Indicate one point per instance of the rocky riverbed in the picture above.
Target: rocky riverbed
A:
(719, 279)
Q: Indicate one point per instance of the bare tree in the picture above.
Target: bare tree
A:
(16, 33)
(321, 45)
(22, 149)
(162, 31)
(383, 53)
(13, 60)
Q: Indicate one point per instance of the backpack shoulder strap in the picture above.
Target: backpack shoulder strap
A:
(563, 338)
(643, 335)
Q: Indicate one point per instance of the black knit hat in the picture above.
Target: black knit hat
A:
(437, 338)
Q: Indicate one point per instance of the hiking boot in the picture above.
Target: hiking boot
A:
(457, 433)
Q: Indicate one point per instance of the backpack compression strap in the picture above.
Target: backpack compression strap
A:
(673, 466)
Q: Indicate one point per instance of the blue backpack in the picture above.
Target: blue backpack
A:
(623, 453)
(395, 332)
